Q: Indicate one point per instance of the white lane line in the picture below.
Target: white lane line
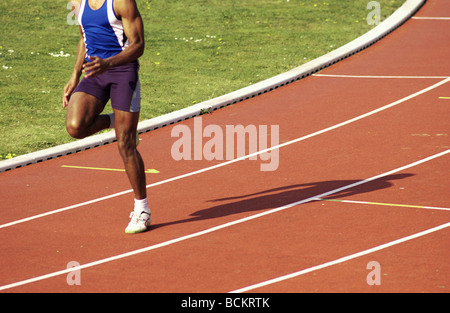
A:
(430, 18)
(416, 94)
(343, 259)
(380, 76)
(219, 227)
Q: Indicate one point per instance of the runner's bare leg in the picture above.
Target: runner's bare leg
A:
(126, 126)
(83, 116)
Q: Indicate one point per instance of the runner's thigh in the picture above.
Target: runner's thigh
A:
(83, 108)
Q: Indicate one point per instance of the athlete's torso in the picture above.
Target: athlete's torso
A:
(103, 32)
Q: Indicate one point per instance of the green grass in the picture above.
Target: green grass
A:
(196, 50)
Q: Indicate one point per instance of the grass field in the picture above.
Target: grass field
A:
(195, 50)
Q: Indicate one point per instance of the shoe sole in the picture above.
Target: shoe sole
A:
(136, 231)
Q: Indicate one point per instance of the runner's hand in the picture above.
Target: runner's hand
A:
(95, 67)
(68, 89)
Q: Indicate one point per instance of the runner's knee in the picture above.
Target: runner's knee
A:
(75, 128)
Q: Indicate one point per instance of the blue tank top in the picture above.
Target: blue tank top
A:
(103, 32)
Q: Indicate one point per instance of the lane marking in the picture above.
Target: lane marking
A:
(149, 171)
(360, 117)
(343, 259)
(380, 76)
(387, 204)
(430, 18)
(444, 98)
(226, 225)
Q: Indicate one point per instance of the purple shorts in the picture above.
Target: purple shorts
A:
(120, 84)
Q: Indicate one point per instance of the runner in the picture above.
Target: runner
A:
(112, 40)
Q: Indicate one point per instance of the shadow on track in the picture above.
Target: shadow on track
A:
(281, 196)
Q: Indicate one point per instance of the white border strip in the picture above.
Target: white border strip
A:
(226, 225)
(361, 43)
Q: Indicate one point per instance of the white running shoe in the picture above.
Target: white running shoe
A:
(139, 223)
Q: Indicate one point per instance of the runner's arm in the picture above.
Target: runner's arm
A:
(77, 72)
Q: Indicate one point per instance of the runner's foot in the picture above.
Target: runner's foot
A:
(139, 223)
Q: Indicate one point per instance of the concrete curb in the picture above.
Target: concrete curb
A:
(355, 46)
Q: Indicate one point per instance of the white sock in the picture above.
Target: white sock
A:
(141, 206)
(112, 117)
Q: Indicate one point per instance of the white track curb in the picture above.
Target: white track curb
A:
(361, 43)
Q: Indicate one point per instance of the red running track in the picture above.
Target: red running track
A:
(369, 136)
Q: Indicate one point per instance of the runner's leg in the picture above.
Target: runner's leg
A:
(126, 126)
(83, 115)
